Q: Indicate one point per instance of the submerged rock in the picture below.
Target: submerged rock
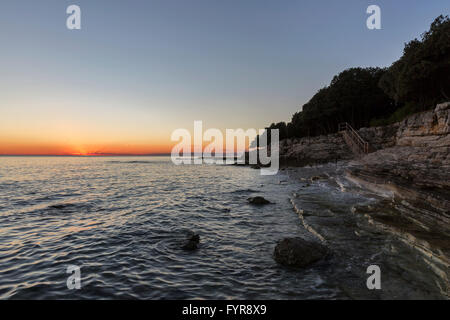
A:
(298, 252)
(192, 242)
(195, 238)
(258, 201)
(315, 178)
(190, 246)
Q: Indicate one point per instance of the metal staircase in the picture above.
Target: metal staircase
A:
(352, 138)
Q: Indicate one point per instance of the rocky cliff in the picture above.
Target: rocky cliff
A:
(329, 148)
(415, 170)
(314, 150)
(410, 159)
(408, 163)
(416, 164)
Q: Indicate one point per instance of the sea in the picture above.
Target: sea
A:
(121, 223)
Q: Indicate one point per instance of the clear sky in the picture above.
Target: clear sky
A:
(139, 69)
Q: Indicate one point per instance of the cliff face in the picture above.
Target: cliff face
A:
(380, 137)
(315, 150)
(417, 166)
(328, 148)
(409, 162)
(416, 171)
(410, 159)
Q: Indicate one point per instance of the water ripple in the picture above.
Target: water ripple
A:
(123, 222)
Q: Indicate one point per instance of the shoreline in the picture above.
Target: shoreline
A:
(384, 215)
(409, 169)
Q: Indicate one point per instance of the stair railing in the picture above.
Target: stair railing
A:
(355, 138)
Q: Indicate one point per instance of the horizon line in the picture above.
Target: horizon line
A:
(111, 155)
(88, 155)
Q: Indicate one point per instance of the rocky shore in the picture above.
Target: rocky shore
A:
(414, 165)
(409, 159)
(409, 164)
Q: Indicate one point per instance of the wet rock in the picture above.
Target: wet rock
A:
(297, 252)
(415, 167)
(190, 246)
(258, 201)
(315, 178)
(192, 242)
(195, 238)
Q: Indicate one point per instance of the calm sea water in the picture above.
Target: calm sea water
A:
(122, 221)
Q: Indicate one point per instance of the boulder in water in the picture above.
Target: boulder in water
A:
(258, 201)
(298, 252)
(192, 242)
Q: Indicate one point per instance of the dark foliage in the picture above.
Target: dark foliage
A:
(421, 77)
(375, 96)
(352, 96)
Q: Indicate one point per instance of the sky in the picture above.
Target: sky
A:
(137, 70)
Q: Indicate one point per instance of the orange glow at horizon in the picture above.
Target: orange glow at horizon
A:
(8, 148)
(44, 130)
(58, 149)
(75, 122)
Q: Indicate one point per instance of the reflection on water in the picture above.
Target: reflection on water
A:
(121, 219)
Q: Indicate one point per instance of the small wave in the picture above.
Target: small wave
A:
(218, 209)
(69, 207)
(132, 161)
(300, 213)
(341, 185)
(244, 191)
(61, 206)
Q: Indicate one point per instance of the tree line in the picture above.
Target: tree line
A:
(379, 96)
